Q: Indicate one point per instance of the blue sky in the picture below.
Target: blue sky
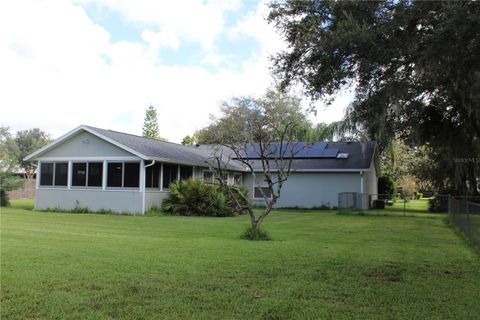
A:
(102, 62)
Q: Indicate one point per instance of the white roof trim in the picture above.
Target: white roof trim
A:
(51, 145)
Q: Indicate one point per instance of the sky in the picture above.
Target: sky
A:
(64, 63)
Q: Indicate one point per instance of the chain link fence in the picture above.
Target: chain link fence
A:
(465, 214)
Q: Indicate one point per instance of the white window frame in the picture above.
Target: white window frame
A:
(123, 175)
(52, 186)
(86, 186)
(159, 177)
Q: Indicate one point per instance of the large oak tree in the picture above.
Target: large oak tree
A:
(415, 67)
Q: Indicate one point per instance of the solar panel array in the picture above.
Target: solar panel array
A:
(296, 150)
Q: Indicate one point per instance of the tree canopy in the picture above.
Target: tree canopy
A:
(415, 66)
(150, 124)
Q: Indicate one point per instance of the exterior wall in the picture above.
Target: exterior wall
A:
(312, 189)
(85, 144)
(371, 181)
(117, 200)
(154, 198)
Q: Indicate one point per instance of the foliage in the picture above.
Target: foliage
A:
(438, 204)
(386, 186)
(188, 140)
(267, 127)
(195, 197)
(150, 124)
(26, 142)
(8, 181)
(414, 64)
(407, 184)
(257, 234)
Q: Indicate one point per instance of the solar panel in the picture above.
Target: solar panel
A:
(297, 150)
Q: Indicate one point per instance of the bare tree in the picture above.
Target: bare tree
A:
(266, 146)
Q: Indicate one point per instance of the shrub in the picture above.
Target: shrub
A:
(438, 204)
(194, 197)
(252, 233)
(4, 199)
(386, 187)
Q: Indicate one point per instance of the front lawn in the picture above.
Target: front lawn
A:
(320, 265)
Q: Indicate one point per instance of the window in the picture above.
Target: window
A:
(261, 188)
(53, 174)
(61, 174)
(79, 174)
(87, 174)
(152, 176)
(170, 172)
(114, 174)
(237, 179)
(186, 172)
(131, 175)
(207, 175)
(123, 174)
(95, 174)
(258, 194)
(46, 174)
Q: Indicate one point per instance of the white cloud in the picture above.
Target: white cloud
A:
(191, 20)
(59, 70)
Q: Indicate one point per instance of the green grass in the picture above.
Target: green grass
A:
(319, 265)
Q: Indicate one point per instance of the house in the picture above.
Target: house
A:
(104, 169)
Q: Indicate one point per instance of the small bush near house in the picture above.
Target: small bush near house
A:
(194, 197)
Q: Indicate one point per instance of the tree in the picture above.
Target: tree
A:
(415, 66)
(150, 124)
(26, 142)
(8, 181)
(188, 140)
(260, 134)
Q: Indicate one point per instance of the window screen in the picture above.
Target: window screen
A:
(46, 174)
(61, 173)
(79, 174)
(170, 172)
(114, 174)
(266, 192)
(186, 172)
(95, 173)
(152, 176)
(131, 175)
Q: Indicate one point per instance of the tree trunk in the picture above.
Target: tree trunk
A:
(265, 213)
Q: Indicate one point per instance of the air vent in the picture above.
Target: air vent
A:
(342, 155)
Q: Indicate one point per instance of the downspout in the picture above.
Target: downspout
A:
(143, 182)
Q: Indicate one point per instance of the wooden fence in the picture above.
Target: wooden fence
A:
(27, 192)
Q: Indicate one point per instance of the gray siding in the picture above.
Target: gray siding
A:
(370, 180)
(86, 144)
(312, 189)
(119, 201)
(154, 198)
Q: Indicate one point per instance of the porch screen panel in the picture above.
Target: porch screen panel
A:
(95, 173)
(114, 174)
(170, 172)
(79, 174)
(61, 173)
(131, 175)
(46, 174)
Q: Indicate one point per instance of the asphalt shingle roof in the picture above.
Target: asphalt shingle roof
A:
(360, 155)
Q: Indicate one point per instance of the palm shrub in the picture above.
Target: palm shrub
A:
(194, 197)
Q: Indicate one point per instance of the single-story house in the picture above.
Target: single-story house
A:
(104, 169)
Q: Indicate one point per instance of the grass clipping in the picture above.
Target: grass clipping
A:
(252, 233)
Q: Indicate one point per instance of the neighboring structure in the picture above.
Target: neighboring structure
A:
(104, 169)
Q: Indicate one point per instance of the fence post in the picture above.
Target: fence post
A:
(449, 205)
